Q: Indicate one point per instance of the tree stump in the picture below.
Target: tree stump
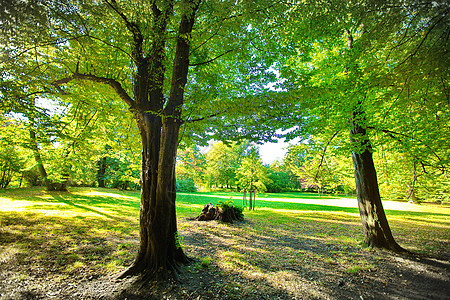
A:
(223, 212)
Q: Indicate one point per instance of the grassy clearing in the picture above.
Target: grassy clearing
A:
(94, 232)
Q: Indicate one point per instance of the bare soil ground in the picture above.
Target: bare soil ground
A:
(253, 259)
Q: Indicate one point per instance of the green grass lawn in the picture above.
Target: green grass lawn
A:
(95, 231)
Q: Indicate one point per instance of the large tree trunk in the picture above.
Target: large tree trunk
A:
(159, 250)
(377, 232)
(159, 121)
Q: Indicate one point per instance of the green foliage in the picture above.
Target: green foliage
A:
(222, 162)
(205, 261)
(178, 240)
(280, 181)
(12, 156)
(321, 166)
(252, 175)
(191, 163)
(230, 210)
(10, 164)
(186, 185)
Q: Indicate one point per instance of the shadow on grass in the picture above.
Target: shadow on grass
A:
(104, 203)
(281, 251)
(200, 199)
(88, 207)
(77, 246)
(265, 261)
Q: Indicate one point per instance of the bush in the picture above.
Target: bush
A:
(186, 185)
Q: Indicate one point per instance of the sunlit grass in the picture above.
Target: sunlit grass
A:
(95, 231)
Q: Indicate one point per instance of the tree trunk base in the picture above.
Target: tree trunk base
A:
(393, 246)
(152, 273)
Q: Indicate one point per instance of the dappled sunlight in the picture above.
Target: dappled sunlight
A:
(102, 194)
(280, 257)
(279, 251)
(418, 221)
(60, 244)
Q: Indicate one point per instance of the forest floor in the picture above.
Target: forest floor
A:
(74, 245)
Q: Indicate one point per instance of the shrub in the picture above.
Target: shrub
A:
(186, 185)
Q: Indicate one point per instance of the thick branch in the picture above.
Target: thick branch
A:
(212, 59)
(132, 27)
(109, 81)
(424, 38)
(181, 61)
(394, 135)
(204, 118)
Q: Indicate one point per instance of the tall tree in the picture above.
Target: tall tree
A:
(361, 68)
(143, 50)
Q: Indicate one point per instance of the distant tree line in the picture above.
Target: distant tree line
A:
(101, 160)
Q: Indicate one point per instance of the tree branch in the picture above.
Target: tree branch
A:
(212, 59)
(323, 154)
(394, 135)
(109, 81)
(424, 38)
(181, 60)
(204, 118)
(132, 27)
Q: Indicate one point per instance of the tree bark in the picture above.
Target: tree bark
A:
(159, 121)
(101, 164)
(40, 164)
(377, 232)
(159, 250)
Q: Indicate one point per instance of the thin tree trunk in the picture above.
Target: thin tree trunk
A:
(101, 172)
(254, 200)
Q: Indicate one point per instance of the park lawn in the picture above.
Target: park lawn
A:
(88, 233)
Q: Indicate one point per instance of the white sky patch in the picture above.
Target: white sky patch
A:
(271, 152)
(52, 106)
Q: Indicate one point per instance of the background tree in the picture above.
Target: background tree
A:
(252, 176)
(362, 68)
(190, 169)
(320, 167)
(12, 156)
(281, 179)
(223, 161)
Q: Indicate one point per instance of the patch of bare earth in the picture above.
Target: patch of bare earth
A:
(253, 259)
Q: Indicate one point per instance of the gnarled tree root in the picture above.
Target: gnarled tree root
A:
(161, 273)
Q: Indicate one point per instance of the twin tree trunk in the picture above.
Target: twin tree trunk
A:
(159, 249)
